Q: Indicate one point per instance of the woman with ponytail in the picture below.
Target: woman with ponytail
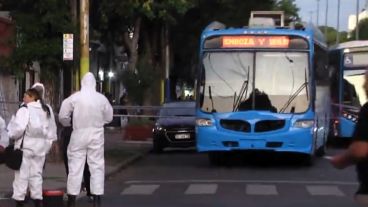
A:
(34, 126)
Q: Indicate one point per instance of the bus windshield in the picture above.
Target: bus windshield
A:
(270, 81)
(353, 92)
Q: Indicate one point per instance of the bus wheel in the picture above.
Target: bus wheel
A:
(216, 158)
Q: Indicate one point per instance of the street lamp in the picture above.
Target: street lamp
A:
(110, 74)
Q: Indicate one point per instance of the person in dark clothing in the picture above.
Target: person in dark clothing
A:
(65, 134)
(357, 152)
(262, 102)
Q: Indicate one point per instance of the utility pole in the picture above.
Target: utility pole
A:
(84, 37)
(167, 64)
(338, 23)
(311, 17)
(74, 72)
(317, 13)
(357, 21)
(325, 31)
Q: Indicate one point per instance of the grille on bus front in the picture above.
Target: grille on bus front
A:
(235, 125)
(269, 125)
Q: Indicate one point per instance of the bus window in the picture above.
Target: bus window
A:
(353, 93)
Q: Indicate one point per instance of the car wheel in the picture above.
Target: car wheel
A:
(157, 145)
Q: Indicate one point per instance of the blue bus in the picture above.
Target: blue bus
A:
(349, 62)
(262, 88)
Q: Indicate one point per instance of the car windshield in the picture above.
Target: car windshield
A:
(182, 109)
(239, 81)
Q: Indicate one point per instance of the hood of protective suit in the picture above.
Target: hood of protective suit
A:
(88, 82)
(40, 89)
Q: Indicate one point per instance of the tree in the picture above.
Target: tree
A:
(40, 26)
(363, 30)
(331, 35)
(289, 7)
(126, 18)
(140, 27)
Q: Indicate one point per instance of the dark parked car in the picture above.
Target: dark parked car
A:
(175, 126)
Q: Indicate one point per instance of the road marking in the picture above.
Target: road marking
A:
(324, 190)
(196, 189)
(5, 196)
(306, 182)
(140, 190)
(255, 189)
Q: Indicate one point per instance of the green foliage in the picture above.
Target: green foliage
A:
(331, 35)
(363, 30)
(40, 25)
(125, 12)
(137, 82)
(289, 7)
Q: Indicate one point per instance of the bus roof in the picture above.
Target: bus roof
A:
(302, 29)
(351, 44)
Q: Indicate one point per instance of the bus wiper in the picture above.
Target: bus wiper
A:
(243, 93)
(305, 81)
(292, 97)
(210, 94)
(243, 90)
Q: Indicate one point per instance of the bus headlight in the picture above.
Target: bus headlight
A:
(204, 122)
(304, 123)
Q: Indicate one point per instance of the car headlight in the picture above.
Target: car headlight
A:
(304, 123)
(204, 122)
(158, 127)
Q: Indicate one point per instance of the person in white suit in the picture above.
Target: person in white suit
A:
(34, 126)
(90, 111)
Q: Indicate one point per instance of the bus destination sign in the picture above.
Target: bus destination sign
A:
(255, 42)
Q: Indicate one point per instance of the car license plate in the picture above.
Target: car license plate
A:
(182, 136)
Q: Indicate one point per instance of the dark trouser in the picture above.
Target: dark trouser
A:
(86, 173)
(362, 172)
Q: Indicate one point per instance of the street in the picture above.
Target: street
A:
(184, 178)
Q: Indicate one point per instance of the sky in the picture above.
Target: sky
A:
(308, 11)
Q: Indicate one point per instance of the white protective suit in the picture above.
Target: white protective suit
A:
(4, 139)
(91, 111)
(37, 131)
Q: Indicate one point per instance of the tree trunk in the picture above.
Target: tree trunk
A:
(132, 44)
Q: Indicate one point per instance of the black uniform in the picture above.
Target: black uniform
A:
(361, 134)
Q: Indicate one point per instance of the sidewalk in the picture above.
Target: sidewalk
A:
(118, 154)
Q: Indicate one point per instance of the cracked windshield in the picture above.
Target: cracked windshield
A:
(178, 103)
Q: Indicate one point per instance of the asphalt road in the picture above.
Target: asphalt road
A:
(185, 178)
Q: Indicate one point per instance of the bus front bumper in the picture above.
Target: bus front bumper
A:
(297, 140)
